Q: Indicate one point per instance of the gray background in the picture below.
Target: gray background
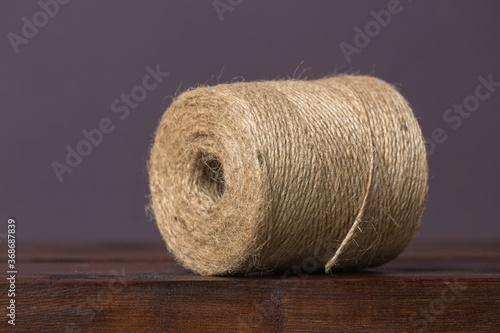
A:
(65, 78)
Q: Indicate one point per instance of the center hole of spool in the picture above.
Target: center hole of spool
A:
(209, 175)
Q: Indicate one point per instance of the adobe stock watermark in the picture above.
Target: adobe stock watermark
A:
(426, 316)
(223, 6)
(262, 308)
(265, 307)
(121, 107)
(455, 115)
(11, 271)
(30, 28)
(93, 306)
(373, 28)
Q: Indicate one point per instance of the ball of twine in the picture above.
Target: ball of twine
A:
(264, 175)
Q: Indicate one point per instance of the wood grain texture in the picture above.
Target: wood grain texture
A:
(433, 286)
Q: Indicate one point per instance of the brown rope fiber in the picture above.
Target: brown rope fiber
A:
(264, 175)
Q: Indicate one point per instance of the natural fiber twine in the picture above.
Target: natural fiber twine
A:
(265, 175)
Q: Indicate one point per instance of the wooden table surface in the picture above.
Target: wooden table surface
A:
(87, 287)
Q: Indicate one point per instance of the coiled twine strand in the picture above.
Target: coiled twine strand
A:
(266, 175)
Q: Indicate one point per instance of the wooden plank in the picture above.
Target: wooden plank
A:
(136, 287)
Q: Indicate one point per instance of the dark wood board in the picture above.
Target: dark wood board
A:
(90, 287)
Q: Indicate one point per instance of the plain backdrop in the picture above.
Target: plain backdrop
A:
(64, 78)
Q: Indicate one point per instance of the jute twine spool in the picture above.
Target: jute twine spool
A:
(265, 175)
